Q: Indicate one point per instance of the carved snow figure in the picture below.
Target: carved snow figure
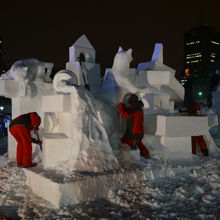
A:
(29, 69)
(120, 79)
(74, 129)
(63, 80)
(23, 75)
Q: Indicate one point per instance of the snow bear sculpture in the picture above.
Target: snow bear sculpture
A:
(29, 69)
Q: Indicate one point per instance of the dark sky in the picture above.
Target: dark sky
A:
(46, 29)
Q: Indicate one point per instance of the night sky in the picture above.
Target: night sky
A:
(46, 29)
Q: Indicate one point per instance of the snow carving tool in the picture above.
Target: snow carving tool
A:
(39, 141)
(36, 130)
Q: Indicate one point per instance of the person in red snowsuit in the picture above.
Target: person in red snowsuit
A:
(135, 128)
(21, 128)
(196, 110)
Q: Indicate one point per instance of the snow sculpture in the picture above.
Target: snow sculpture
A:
(154, 81)
(24, 73)
(29, 69)
(25, 83)
(156, 85)
(74, 137)
(82, 63)
(81, 128)
(64, 80)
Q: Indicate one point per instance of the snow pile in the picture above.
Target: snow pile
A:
(3, 161)
(173, 190)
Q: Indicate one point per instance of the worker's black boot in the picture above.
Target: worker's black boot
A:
(205, 153)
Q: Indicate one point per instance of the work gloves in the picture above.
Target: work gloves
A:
(36, 141)
(36, 129)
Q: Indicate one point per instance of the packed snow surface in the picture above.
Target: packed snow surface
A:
(186, 189)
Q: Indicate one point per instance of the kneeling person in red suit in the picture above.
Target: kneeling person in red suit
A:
(135, 128)
(21, 128)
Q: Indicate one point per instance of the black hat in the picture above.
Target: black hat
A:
(133, 98)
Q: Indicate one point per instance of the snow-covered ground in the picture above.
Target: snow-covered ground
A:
(188, 189)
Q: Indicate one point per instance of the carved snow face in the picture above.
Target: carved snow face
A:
(122, 61)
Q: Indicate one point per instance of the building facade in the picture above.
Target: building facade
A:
(201, 61)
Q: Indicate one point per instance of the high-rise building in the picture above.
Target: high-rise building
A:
(200, 49)
(201, 60)
(2, 66)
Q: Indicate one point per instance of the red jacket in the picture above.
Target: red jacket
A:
(195, 109)
(135, 123)
(29, 120)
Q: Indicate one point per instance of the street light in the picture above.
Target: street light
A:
(1, 108)
(200, 93)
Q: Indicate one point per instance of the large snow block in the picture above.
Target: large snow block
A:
(153, 78)
(56, 149)
(175, 89)
(181, 126)
(12, 146)
(26, 105)
(62, 190)
(176, 147)
(154, 103)
(12, 88)
(56, 103)
(41, 186)
(164, 81)
(175, 126)
(150, 124)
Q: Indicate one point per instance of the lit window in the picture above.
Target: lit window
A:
(0, 41)
(212, 61)
(214, 42)
(193, 42)
(194, 55)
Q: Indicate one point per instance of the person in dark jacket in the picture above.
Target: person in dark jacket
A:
(21, 128)
(135, 128)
